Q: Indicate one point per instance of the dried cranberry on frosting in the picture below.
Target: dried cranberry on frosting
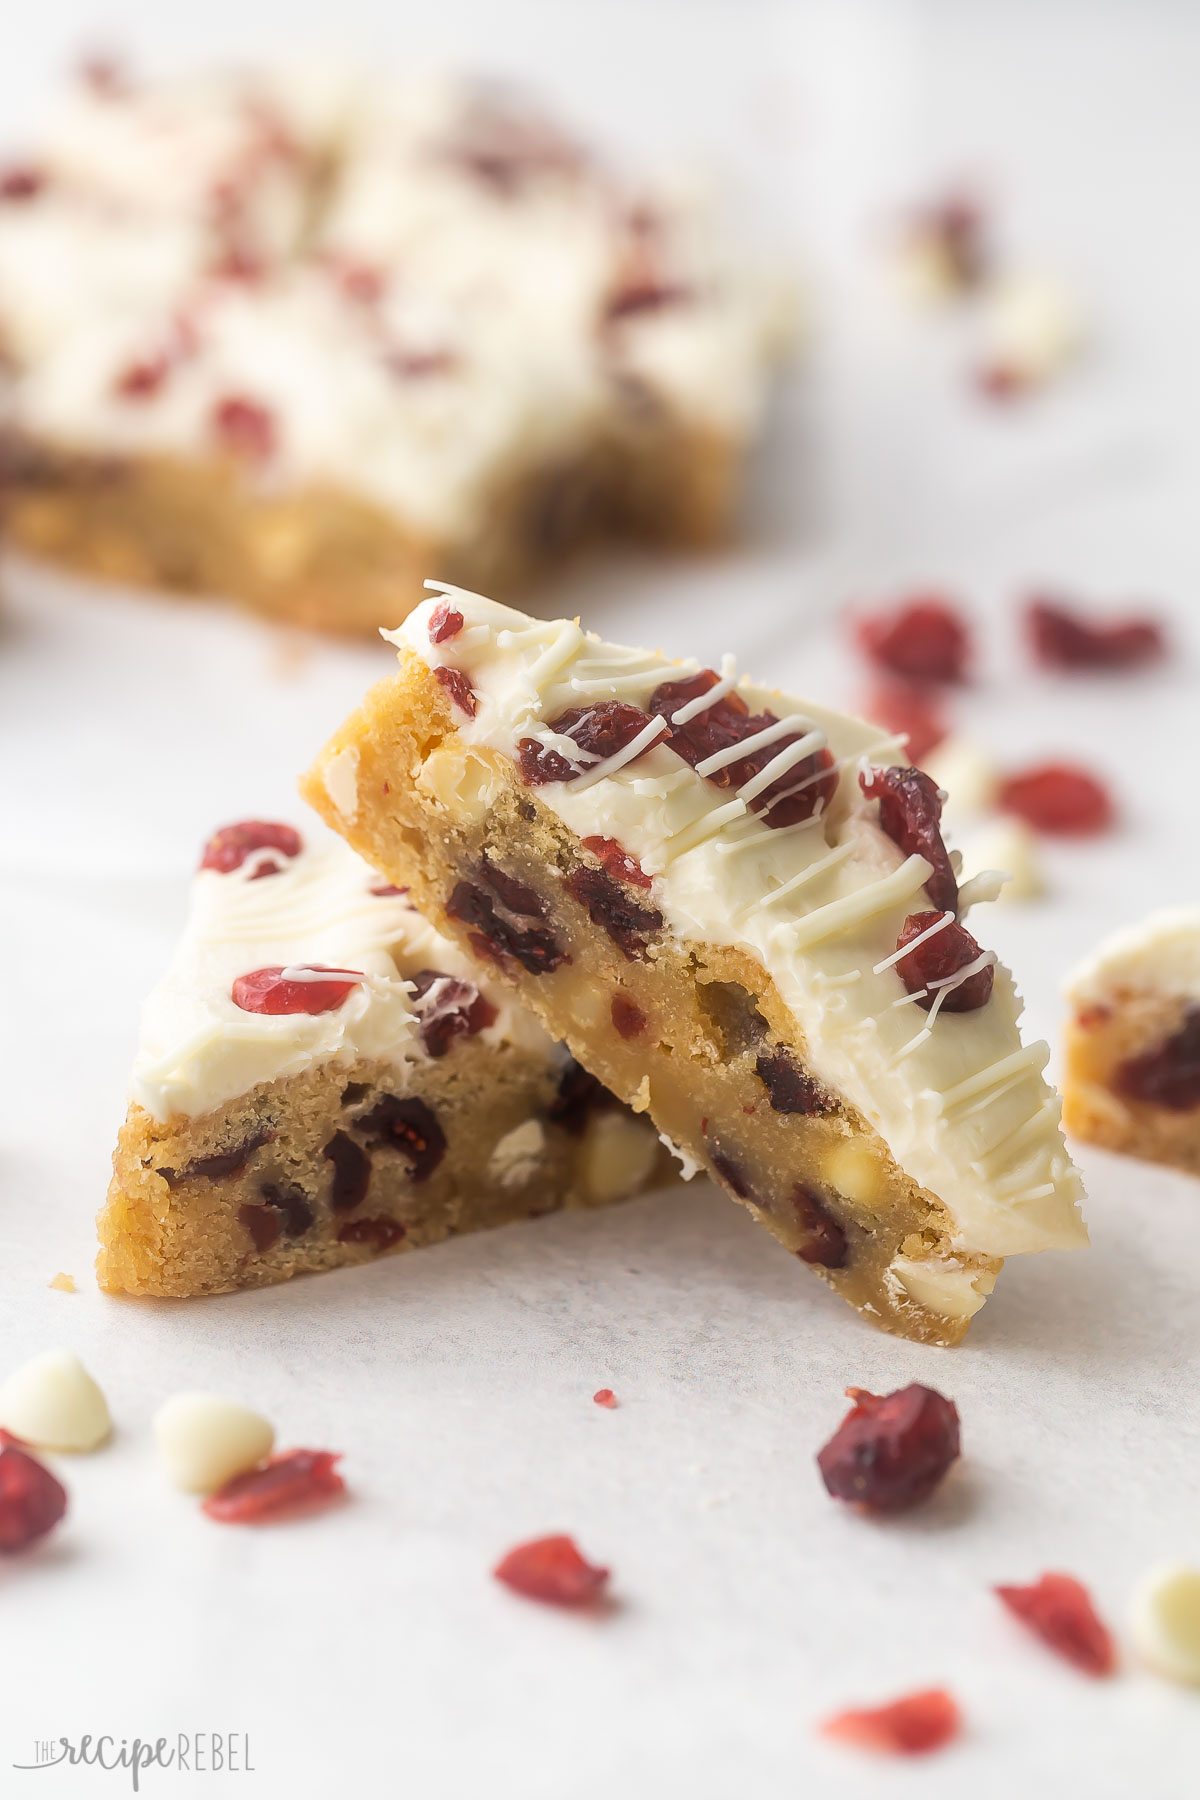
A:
(802, 789)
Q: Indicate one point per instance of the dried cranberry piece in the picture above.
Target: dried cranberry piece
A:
(287, 1483)
(826, 1241)
(351, 1172)
(409, 1126)
(31, 1500)
(276, 990)
(627, 1016)
(911, 713)
(923, 639)
(448, 1009)
(364, 285)
(21, 181)
(458, 686)
(1059, 1610)
(1058, 798)
(1063, 638)
(228, 848)
(263, 1223)
(291, 1203)
(789, 799)
(629, 925)
(891, 1450)
(729, 1171)
(220, 1165)
(600, 731)
(790, 1088)
(910, 812)
(143, 379)
(386, 890)
(949, 950)
(244, 427)
(552, 1569)
(519, 898)
(955, 228)
(911, 1726)
(643, 294)
(533, 946)
(605, 1397)
(1169, 1074)
(617, 862)
(378, 1234)
(445, 621)
(579, 1095)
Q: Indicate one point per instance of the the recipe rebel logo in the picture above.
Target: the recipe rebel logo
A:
(190, 1753)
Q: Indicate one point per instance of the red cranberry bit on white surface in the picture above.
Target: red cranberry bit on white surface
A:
(229, 847)
(910, 813)
(924, 638)
(292, 1482)
(891, 1450)
(31, 1500)
(1059, 1610)
(941, 955)
(143, 379)
(552, 1569)
(299, 989)
(244, 427)
(20, 182)
(605, 1397)
(954, 231)
(1058, 798)
(1064, 638)
(445, 621)
(911, 712)
(911, 1726)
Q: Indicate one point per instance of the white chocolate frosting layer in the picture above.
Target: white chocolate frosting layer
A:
(959, 1100)
(1160, 954)
(198, 1050)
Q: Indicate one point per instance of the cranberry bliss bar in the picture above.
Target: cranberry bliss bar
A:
(322, 1078)
(1133, 1041)
(299, 342)
(738, 911)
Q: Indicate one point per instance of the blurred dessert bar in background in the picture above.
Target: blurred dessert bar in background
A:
(300, 339)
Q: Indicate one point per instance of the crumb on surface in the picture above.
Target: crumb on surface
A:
(64, 1283)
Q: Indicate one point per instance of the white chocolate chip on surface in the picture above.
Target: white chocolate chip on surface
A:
(618, 1155)
(955, 1290)
(1032, 328)
(53, 1403)
(1010, 846)
(967, 773)
(205, 1440)
(1164, 1619)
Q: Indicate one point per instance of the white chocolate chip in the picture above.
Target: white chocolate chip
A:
(53, 1403)
(517, 1157)
(1011, 847)
(618, 1155)
(688, 1166)
(966, 772)
(1032, 327)
(206, 1440)
(341, 782)
(953, 1289)
(460, 779)
(853, 1170)
(1165, 1621)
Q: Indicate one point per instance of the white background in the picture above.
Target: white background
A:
(368, 1652)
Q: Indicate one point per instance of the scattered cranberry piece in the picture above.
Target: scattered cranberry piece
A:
(637, 293)
(228, 848)
(617, 862)
(385, 890)
(533, 946)
(274, 991)
(21, 181)
(728, 1169)
(579, 1095)
(949, 950)
(445, 621)
(417, 365)
(1059, 1610)
(363, 284)
(792, 797)
(552, 1569)
(790, 1089)
(351, 1172)
(627, 1017)
(825, 1240)
(1169, 1074)
(141, 380)
(1058, 798)
(448, 1009)
(891, 1450)
(605, 1397)
(1003, 380)
(955, 227)
(1064, 638)
(629, 925)
(106, 75)
(378, 1234)
(263, 1224)
(31, 1500)
(244, 427)
(409, 1126)
(458, 686)
(600, 731)
(516, 895)
(911, 1726)
(910, 712)
(289, 1482)
(237, 263)
(922, 639)
(910, 813)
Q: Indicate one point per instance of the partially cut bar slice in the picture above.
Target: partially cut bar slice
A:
(323, 1078)
(1133, 1041)
(738, 912)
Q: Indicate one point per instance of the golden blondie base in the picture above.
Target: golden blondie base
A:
(434, 815)
(1099, 1040)
(321, 1170)
(325, 559)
